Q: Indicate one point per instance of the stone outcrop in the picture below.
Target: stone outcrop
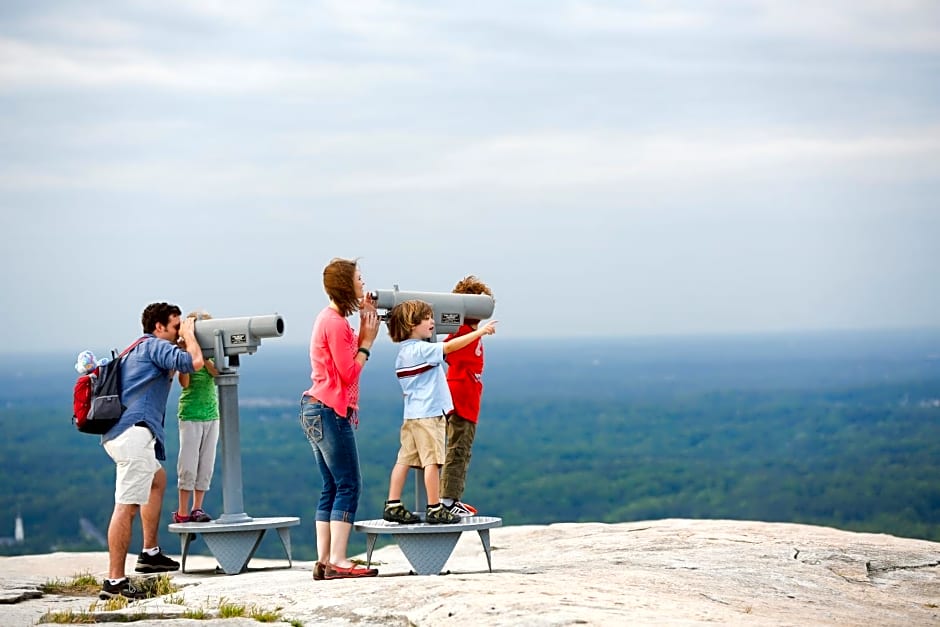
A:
(663, 572)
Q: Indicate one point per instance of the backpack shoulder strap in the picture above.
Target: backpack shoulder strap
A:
(136, 342)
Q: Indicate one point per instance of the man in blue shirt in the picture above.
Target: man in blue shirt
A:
(137, 443)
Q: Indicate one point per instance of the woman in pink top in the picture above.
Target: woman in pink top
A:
(329, 413)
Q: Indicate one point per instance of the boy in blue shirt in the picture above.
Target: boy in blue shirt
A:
(420, 370)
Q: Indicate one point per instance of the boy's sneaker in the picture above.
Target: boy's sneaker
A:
(440, 515)
(197, 515)
(158, 563)
(468, 507)
(122, 588)
(398, 513)
(181, 519)
(462, 509)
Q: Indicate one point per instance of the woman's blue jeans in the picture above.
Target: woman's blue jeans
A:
(334, 447)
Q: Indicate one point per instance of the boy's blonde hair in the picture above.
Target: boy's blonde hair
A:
(405, 316)
(199, 314)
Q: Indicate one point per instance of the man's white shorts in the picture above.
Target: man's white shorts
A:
(133, 453)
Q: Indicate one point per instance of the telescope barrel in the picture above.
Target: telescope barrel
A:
(237, 335)
(450, 310)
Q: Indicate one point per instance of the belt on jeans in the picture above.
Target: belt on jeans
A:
(313, 399)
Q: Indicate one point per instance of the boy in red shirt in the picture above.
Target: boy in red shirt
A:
(465, 379)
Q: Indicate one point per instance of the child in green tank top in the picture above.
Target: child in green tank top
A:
(199, 433)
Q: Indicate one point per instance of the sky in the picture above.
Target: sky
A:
(608, 168)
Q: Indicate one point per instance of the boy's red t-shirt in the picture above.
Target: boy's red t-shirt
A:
(465, 376)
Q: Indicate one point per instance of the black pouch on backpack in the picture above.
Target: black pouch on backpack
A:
(106, 408)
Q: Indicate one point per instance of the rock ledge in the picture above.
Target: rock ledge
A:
(653, 572)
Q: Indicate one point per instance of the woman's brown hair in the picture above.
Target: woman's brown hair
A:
(339, 282)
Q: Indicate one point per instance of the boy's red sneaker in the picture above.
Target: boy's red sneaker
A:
(462, 509)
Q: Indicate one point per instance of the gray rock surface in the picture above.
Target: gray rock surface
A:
(664, 572)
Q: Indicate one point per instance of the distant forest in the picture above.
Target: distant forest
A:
(838, 429)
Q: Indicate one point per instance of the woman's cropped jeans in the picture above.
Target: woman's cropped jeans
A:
(334, 447)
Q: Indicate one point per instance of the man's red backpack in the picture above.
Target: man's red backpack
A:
(96, 400)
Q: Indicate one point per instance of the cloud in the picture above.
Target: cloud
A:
(390, 162)
(905, 25)
(29, 65)
(889, 25)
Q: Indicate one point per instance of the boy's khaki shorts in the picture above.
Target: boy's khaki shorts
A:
(422, 442)
(133, 453)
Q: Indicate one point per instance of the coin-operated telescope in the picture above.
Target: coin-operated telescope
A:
(236, 336)
(450, 310)
(233, 536)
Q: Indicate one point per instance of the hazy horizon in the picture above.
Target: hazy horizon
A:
(384, 344)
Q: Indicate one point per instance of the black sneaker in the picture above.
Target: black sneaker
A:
(123, 588)
(440, 515)
(398, 513)
(158, 563)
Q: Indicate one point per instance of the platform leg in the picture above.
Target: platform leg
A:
(485, 539)
(427, 553)
(233, 549)
(185, 540)
(284, 534)
(370, 544)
